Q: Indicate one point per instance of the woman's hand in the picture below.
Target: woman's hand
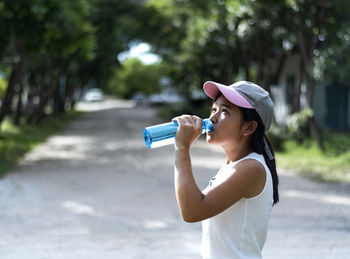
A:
(190, 128)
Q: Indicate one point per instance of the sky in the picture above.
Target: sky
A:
(141, 51)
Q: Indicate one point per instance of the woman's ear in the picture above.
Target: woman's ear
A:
(249, 128)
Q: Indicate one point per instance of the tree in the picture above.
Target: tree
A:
(309, 18)
(332, 58)
(116, 23)
(219, 41)
(16, 16)
(309, 24)
(44, 37)
(69, 38)
(127, 79)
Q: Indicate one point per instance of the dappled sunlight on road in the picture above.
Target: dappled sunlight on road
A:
(61, 147)
(327, 198)
(153, 224)
(109, 103)
(79, 208)
(124, 145)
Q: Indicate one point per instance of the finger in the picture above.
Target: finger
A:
(175, 118)
(190, 120)
(180, 120)
(198, 121)
(179, 117)
(194, 121)
(186, 120)
(196, 117)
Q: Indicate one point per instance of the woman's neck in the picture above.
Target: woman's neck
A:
(236, 152)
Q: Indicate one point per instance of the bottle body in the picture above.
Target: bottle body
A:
(164, 134)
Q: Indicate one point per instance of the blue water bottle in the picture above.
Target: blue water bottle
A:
(164, 134)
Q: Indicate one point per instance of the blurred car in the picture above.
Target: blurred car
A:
(164, 97)
(199, 95)
(94, 95)
(140, 98)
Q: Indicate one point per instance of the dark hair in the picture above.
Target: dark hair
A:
(258, 145)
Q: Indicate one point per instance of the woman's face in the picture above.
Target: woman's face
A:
(227, 121)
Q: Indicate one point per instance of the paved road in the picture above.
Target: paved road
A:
(95, 191)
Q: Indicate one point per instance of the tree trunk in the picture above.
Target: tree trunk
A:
(260, 78)
(18, 112)
(15, 78)
(230, 64)
(297, 89)
(39, 111)
(272, 76)
(307, 59)
(71, 88)
(243, 53)
(314, 130)
(10, 92)
(58, 99)
(73, 98)
(262, 59)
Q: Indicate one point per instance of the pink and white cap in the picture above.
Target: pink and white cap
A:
(212, 89)
(244, 94)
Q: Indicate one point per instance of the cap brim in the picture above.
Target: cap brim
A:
(212, 89)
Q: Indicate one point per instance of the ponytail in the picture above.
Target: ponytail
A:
(271, 164)
(262, 145)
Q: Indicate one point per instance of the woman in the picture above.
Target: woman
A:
(236, 206)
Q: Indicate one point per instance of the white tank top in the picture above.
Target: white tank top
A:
(240, 230)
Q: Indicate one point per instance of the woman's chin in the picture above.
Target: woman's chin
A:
(209, 139)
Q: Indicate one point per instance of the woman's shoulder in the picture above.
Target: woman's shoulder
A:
(253, 173)
(250, 165)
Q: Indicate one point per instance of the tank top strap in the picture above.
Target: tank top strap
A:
(254, 156)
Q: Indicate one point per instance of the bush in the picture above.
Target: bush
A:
(277, 137)
(134, 76)
(296, 122)
(16, 140)
(331, 165)
(3, 86)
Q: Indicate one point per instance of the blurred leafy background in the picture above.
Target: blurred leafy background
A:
(52, 51)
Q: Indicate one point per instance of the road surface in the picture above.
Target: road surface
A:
(95, 191)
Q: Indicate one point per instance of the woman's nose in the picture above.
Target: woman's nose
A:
(213, 117)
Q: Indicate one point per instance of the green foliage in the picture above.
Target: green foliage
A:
(277, 137)
(230, 40)
(134, 76)
(115, 23)
(69, 30)
(220, 41)
(296, 122)
(332, 61)
(331, 165)
(47, 45)
(16, 140)
(3, 86)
